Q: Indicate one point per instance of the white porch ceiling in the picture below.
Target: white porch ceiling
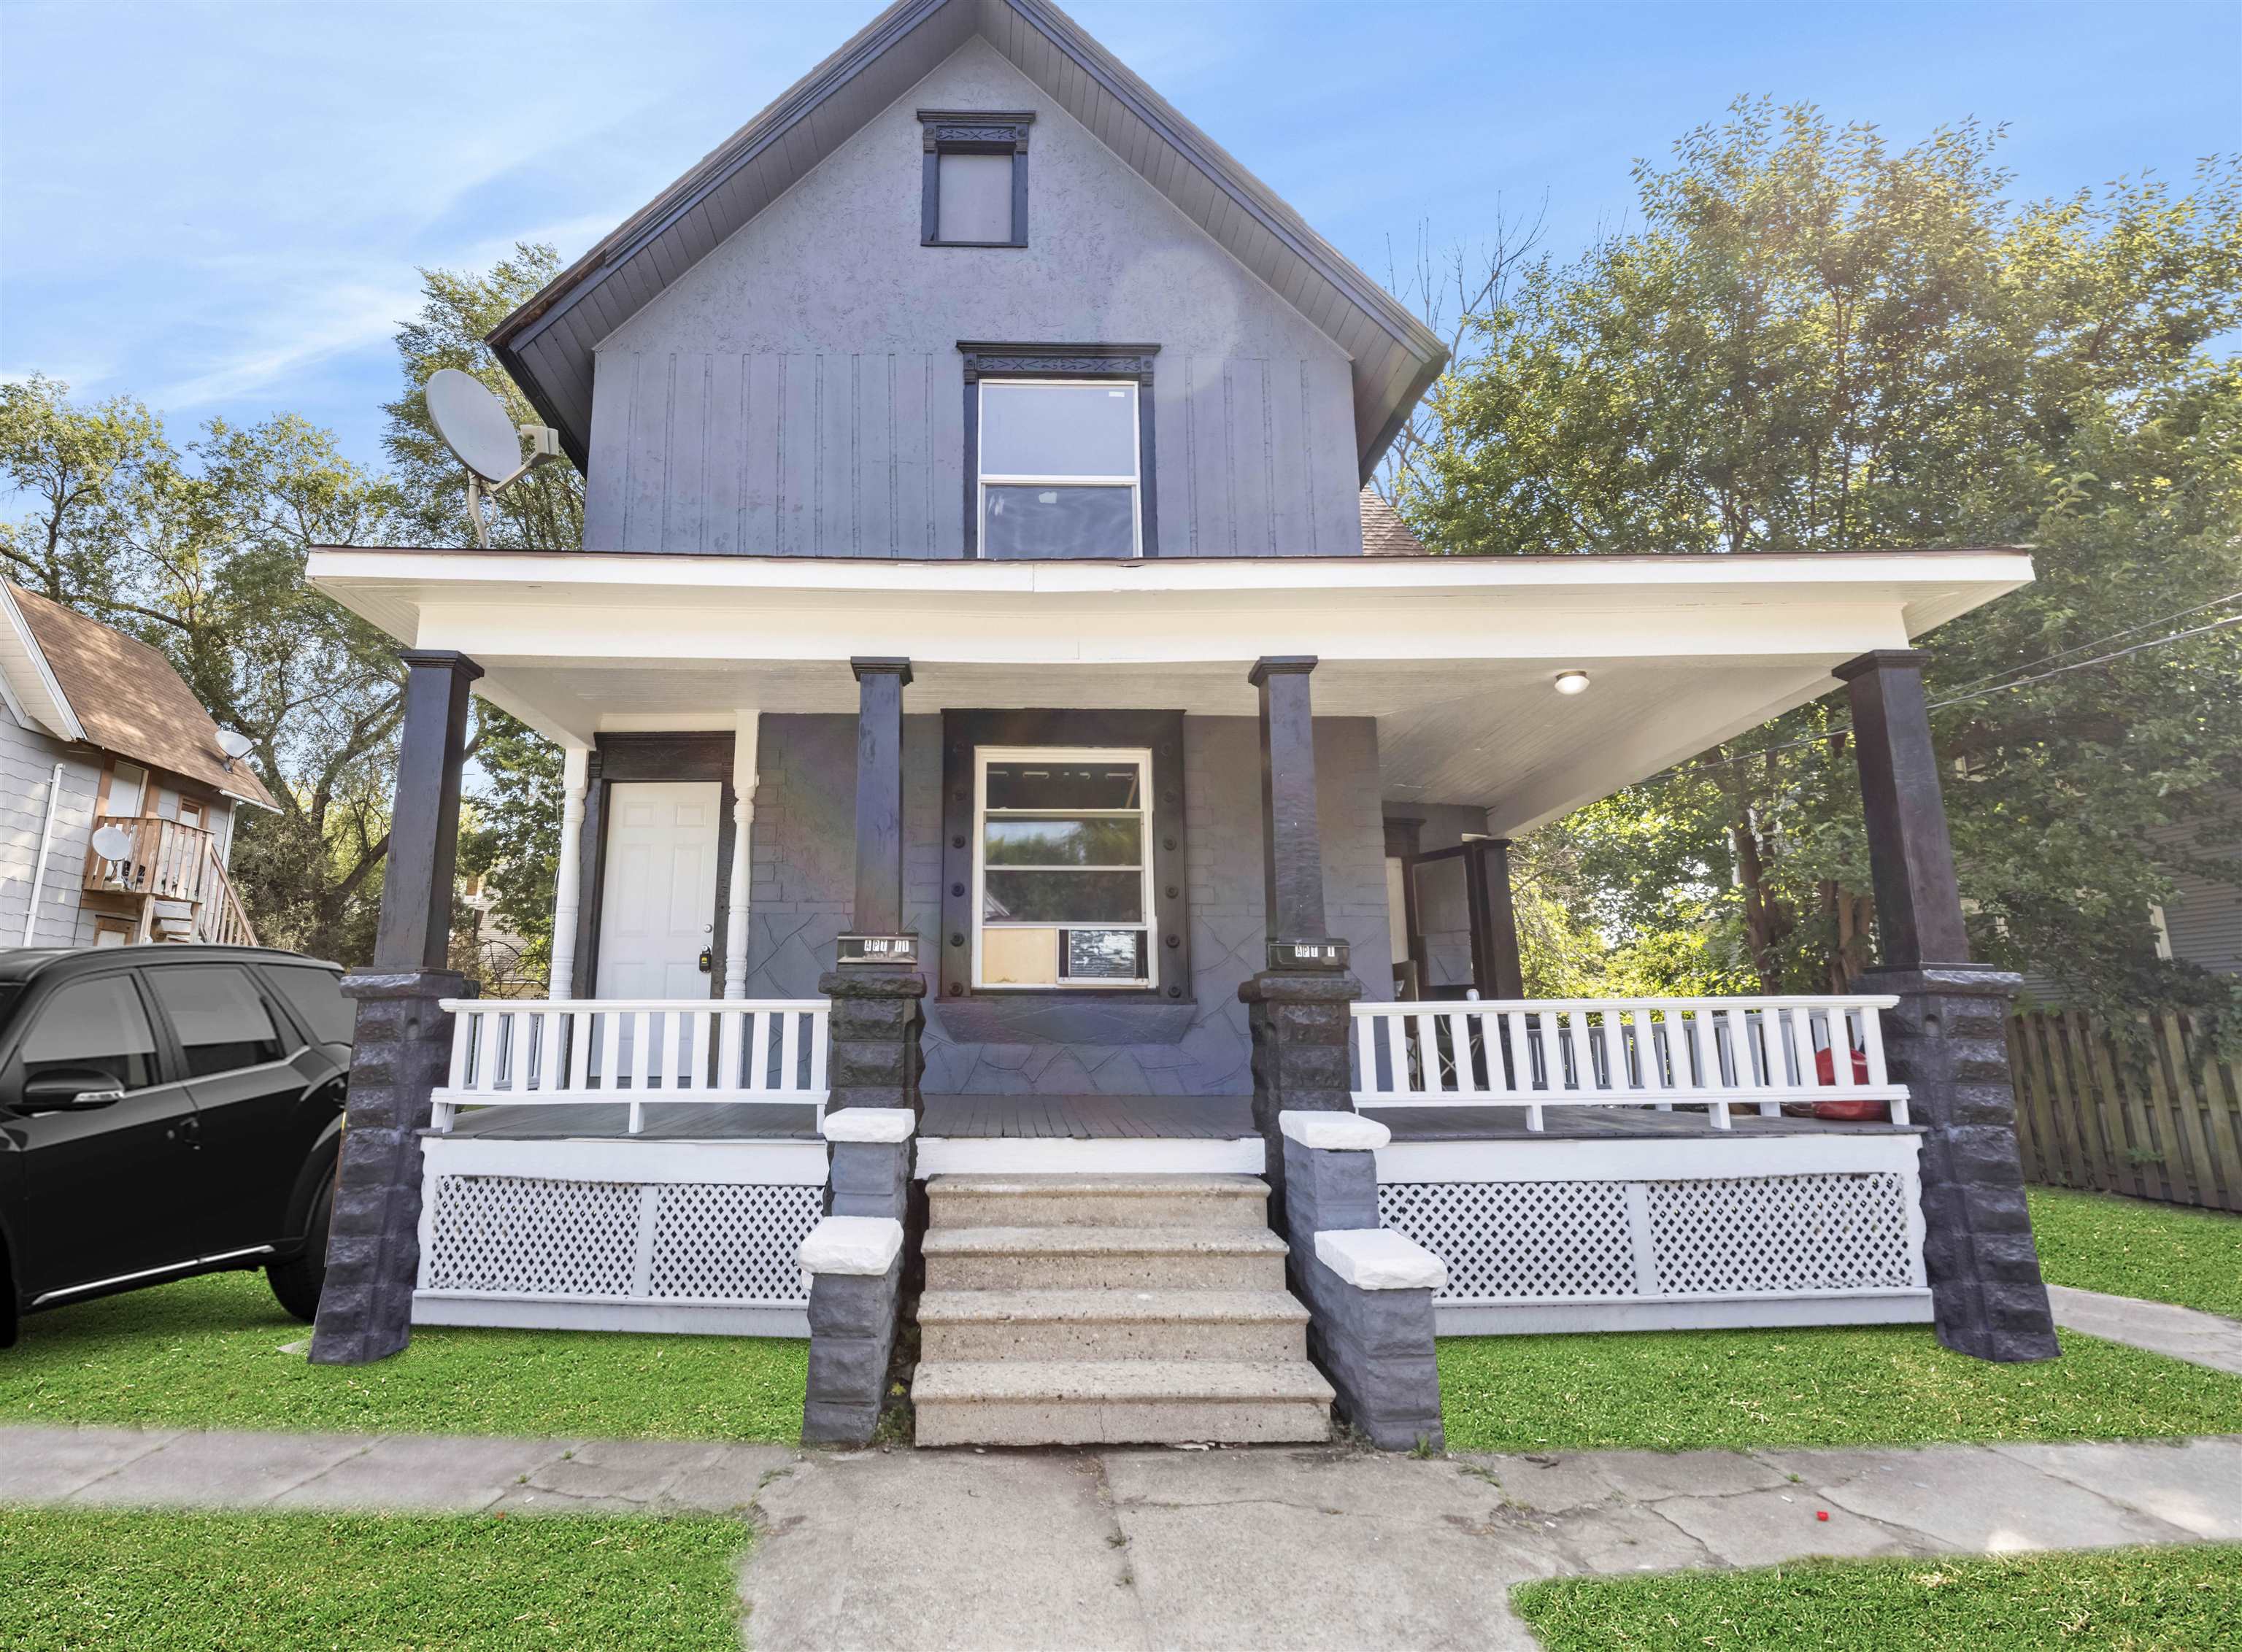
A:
(1453, 656)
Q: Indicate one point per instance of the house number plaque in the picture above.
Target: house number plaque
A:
(877, 949)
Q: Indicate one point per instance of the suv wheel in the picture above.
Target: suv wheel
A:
(298, 1281)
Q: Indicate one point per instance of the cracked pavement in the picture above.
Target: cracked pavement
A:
(1149, 1546)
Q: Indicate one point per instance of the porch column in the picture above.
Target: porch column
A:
(404, 1039)
(1297, 1005)
(745, 742)
(568, 876)
(874, 984)
(1947, 1041)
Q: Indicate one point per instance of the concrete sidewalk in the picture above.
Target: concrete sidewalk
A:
(1156, 1548)
(2183, 1334)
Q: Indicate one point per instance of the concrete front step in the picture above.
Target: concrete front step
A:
(1097, 1201)
(1250, 1326)
(1077, 1402)
(1045, 1259)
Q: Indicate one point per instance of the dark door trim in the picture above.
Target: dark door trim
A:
(696, 754)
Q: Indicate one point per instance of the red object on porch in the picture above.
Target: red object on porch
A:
(1849, 1112)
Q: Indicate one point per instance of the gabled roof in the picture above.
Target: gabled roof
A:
(122, 696)
(547, 344)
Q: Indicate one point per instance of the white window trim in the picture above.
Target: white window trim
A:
(1141, 757)
(1134, 482)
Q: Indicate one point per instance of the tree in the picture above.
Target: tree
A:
(1818, 342)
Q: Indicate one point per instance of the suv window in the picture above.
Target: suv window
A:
(220, 1019)
(316, 996)
(96, 1024)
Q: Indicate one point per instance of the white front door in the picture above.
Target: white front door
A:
(658, 896)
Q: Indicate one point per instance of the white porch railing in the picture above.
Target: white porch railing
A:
(580, 1051)
(1716, 1053)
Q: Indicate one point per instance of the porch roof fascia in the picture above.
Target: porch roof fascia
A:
(387, 585)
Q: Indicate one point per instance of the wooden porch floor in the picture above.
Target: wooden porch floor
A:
(1102, 1117)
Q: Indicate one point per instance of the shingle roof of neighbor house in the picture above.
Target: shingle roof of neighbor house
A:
(547, 344)
(129, 699)
(1384, 533)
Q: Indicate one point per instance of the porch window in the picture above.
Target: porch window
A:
(1062, 878)
(1060, 464)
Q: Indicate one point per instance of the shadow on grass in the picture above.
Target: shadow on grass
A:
(216, 1352)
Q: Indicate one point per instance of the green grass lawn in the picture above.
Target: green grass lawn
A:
(2185, 1598)
(2135, 1247)
(207, 1353)
(204, 1583)
(1680, 1390)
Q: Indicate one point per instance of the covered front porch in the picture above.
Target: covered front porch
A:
(1054, 886)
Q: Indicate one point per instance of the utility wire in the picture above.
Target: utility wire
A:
(1826, 736)
(2065, 653)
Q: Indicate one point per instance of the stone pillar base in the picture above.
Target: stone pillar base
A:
(403, 1051)
(1376, 1346)
(1948, 1042)
(852, 1338)
(1300, 1026)
(876, 1024)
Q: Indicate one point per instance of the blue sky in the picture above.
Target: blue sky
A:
(220, 208)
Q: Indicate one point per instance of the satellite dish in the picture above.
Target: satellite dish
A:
(474, 425)
(113, 842)
(234, 743)
(482, 435)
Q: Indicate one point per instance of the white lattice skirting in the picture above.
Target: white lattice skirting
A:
(1564, 1235)
(617, 1235)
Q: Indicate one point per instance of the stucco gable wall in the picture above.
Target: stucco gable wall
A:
(799, 390)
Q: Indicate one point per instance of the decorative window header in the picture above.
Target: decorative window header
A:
(942, 128)
(1073, 361)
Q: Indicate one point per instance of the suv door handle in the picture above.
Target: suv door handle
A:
(187, 1130)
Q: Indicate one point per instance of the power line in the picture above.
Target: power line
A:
(2060, 654)
(1826, 736)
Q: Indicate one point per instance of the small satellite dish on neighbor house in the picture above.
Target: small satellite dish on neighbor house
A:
(113, 842)
(475, 426)
(235, 745)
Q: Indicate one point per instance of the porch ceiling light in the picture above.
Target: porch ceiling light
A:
(1571, 683)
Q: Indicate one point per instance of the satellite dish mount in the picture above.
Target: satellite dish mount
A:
(474, 425)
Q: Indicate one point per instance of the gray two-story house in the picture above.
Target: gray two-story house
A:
(1027, 857)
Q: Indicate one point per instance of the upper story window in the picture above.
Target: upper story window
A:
(1059, 450)
(974, 181)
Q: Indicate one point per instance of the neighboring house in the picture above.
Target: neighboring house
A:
(995, 711)
(99, 731)
(2202, 924)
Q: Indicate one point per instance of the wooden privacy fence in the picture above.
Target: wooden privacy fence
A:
(2089, 1116)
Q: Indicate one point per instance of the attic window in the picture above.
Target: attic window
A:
(974, 188)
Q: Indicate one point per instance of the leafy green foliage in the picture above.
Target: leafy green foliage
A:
(190, 1582)
(1816, 342)
(2134, 1247)
(1892, 1385)
(2180, 1598)
(208, 1354)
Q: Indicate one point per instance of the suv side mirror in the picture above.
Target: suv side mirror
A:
(72, 1089)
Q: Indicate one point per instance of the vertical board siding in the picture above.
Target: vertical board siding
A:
(863, 455)
(2165, 1126)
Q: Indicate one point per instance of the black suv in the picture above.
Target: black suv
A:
(166, 1111)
